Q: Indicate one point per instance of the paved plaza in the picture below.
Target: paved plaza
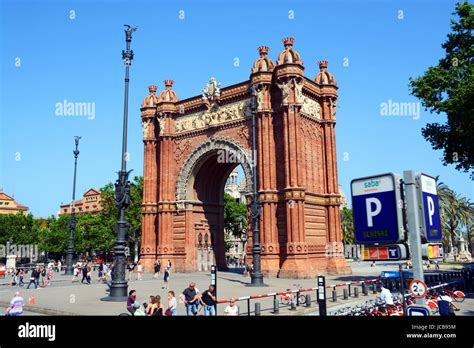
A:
(63, 297)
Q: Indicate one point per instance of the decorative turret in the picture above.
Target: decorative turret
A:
(289, 55)
(168, 95)
(264, 63)
(323, 77)
(152, 98)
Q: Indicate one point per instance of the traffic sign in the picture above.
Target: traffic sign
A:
(432, 251)
(418, 288)
(419, 310)
(385, 252)
(430, 220)
(378, 209)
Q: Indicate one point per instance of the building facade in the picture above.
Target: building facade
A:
(91, 203)
(8, 205)
(192, 145)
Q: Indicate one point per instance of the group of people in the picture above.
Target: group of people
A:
(192, 299)
(154, 307)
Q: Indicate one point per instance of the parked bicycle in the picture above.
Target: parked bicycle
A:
(290, 296)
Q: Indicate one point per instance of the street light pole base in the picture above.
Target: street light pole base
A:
(257, 281)
(117, 292)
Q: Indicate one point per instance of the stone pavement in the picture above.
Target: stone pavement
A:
(66, 298)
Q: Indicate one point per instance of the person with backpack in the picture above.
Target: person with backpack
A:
(446, 305)
(34, 278)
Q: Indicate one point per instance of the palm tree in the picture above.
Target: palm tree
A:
(456, 214)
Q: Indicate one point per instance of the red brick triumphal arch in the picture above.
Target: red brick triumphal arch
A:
(192, 145)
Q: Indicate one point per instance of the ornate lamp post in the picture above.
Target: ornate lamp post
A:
(255, 207)
(72, 222)
(119, 285)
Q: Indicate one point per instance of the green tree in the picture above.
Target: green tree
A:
(347, 225)
(449, 88)
(456, 213)
(109, 214)
(235, 217)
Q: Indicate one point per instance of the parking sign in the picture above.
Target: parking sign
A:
(428, 196)
(378, 209)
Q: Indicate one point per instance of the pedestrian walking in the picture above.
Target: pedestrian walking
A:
(15, 307)
(49, 275)
(59, 265)
(191, 299)
(166, 277)
(34, 278)
(168, 266)
(130, 268)
(21, 276)
(100, 274)
(85, 274)
(76, 272)
(209, 301)
(172, 303)
(139, 271)
(157, 269)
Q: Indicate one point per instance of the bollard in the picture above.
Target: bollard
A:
(308, 300)
(349, 289)
(345, 294)
(356, 292)
(276, 306)
(374, 288)
(293, 305)
(364, 289)
(257, 308)
(334, 295)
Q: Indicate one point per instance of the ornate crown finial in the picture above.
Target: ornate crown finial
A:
(323, 64)
(288, 41)
(169, 83)
(263, 50)
(152, 89)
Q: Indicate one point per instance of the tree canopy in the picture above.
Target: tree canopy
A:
(449, 88)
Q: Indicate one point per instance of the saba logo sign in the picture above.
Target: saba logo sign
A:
(372, 183)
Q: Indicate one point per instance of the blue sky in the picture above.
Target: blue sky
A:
(80, 60)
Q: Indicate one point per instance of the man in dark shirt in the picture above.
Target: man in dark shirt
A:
(131, 301)
(209, 300)
(191, 299)
(33, 278)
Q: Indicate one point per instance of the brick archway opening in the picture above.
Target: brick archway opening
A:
(200, 190)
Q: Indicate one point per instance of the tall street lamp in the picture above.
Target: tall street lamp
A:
(119, 285)
(72, 222)
(255, 208)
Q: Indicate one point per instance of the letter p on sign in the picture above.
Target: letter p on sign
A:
(369, 202)
(431, 209)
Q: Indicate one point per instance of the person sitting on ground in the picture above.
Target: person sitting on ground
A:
(171, 310)
(16, 306)
(132, 303)
(151, 306)
(385, 295)
(157, 307)
(232, 309)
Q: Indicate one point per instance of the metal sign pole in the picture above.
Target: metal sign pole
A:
(214, 282)
(322, 296)
(414, 223)
(402, 288)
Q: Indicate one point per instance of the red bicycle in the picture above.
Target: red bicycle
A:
(457, 295)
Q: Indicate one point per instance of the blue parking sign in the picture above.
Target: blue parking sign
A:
(431, 222)
(378, 209)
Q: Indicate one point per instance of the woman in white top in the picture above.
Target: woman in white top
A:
(139, 271)
(232, 309)
(171, 310)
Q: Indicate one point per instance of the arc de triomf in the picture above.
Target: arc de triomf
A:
(192, 145)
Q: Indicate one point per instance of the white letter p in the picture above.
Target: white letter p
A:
(371, 213)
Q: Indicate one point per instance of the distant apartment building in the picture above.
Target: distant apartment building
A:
(8, 205)
(90, 203)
